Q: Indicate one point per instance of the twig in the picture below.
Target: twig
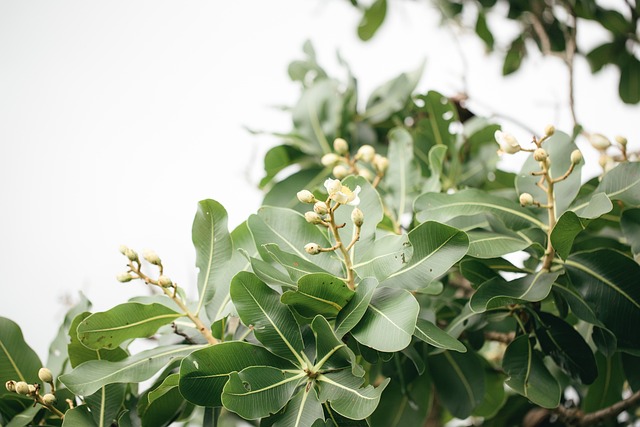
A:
(575, 417)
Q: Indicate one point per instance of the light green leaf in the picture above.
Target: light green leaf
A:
(598, 205)
(527, 374)
(630, 223)
(318, 293)
(331, 353)
(444, 207)
(384, 257)
(436, 248)
(295, 265)
(569, 225)
(271, 274)
(258, 391)
(620, 183)
(88, 377)
(459, 382)
(283, 193)
(18, 362)
(273, 323)
(372, 18)
(389, 322)
(278, 158)
(343, 392)
(163, 404)
(106, 403)
(78, 417)
(485, 244)
(435, 129)
(355, 309)
(108, 329)
(302, 410)
(402, 179)
(436, 158)
(498, 292)
(204, 372)
(392, 96)
(211, 239)
(433, 335)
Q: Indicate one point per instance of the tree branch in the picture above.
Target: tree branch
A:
(575, 417)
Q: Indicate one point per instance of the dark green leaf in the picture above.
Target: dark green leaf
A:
(607, 388)
(431, 334)
(355, 309)
(630, 224)
(569, 225)
(514, 56)
(483, 31)
(631, 367)
(78, 417)
(331, 353)
(79, 353)
(407, 407)
(105, 404)
(18, 362)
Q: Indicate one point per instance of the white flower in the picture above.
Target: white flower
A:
(341, 193)
(508, 143)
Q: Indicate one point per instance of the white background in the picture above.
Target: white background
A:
(117, 117)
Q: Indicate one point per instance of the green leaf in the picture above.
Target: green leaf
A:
(389, 322)
(402, 179)
(170, 382)
(607, 275)
(204, 372)
(318, 293)
(355, 309)
(278, 158)
(391, 97)
(18, 362)
(629, 86)
(631, 367)
(296, 266)
(515, 55)
(494, 394)
(437, 154)
(371, 20)
(567, 348)
(105, 404)
(606, 53)
(211, 239)
(569, 225)
(108, 329)
(162, 405)
(88, 377)
(270, 274)
(331, 353)
(483, 31)
(498, 292)
(408, 407)
(78, 353)
(528, 375)
(26, 417)
(435, 129)
(459, 382)
(384, 257)
(343, 392)
(444, 207)
(302, 410)
(630, 224)
(485, 244)
(436, 248)
(258, 391)
(433, 335)
(607, 388)
(283, 193)
(620, 183)
(273, 323)
(78, 417)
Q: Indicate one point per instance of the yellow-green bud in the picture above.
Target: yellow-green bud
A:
(45, 375)
(312, 248)
(540, 155)
(22, 388)
(131, 254)
(340, 146)
(366, 153)
(306, 196)
(549, 130)
(10, 385)
(357, 217)
(576, 157)
(164, 281)
(621, 140)
(330, 159)
(340, 171)
(526, 199)
(124, 277)
(320, 208)
(49, 399)
(312, 217)
(366, 174)
(381, 163)
(151, 257)
(599, 141)
(123, 250)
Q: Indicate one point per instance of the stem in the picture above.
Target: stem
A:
(52, 408)
(576, 417)
(551, 209)
(345, 253)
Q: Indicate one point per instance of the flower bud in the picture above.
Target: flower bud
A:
(123, 250)
(124, 277)
(32, 389)
(330, 159)
(508, 143)
(340, 146)
(312, 217)
(312, 248)
(22, 388)
(604, 160)
(381, 163)
(599, 141)
(549, 130)
(306, 196)
(164, 281)
(131, 254)
(151, 257)
(320, 208)
(366, 174)
(366, 153)
(45, 375)
(540, 155)
(49, 399)
(526, 199)
(340, 171)
(332, 186)
(576, 157)
(10, 385)
(357, 217)
(621, 140)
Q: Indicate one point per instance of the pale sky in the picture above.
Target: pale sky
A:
(117, 117)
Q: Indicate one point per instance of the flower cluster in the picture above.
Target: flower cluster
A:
(33, 390)
(602, 144)
(365, 163)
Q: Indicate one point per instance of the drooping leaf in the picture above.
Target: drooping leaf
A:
(162, 405)
(629, 86)
(389, 321)
(211, 239)
(88, 377)
(204, 372)
(483, 31)
(278, 158)
(342, 390)
(108, 329)
(273, 323)
(485, 244)
(302, 410)
(569, 225)
(408, 407)
(431, 334)
(528, 375)
(402, 179)
(18, 361)
(607, 275)
(384, 257)
(459, 382)
(26, 416)
(436, 248)
(372, 18)
(258, 391)
(355, 309)
(620, 183)
(318, 293)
